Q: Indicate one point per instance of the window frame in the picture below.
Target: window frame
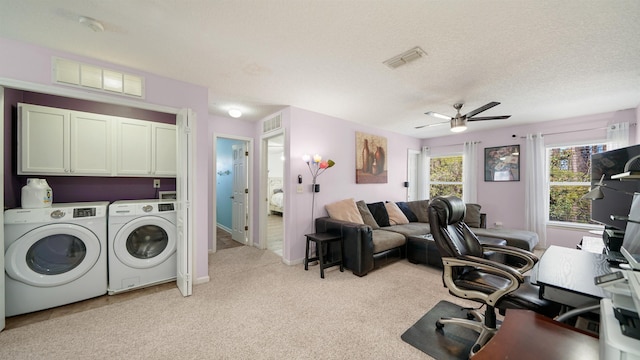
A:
(431, 182)
(549, 184)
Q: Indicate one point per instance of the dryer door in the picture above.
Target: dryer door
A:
(145, 242)
(52, 255)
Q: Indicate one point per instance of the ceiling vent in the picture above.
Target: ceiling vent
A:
(272, 124)
(69, 72)
(405, 57)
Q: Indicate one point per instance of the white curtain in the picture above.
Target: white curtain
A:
(424, 173)
(617, 136)
(470, 172)
(536, 197)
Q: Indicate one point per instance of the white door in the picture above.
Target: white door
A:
(413, 158)
(239, 197)
(2, 119)
(185, 122)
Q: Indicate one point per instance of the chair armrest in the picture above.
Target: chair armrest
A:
(529, 257)
(492, 267)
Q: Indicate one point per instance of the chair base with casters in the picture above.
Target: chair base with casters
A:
(468, 274)
(486, 325)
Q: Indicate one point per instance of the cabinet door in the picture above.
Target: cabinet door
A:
(164, 149)
(134, 147)
(91, 144)
(43, 140)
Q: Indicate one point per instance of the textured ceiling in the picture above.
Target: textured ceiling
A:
(542, 60)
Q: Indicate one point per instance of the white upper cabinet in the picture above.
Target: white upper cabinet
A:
(91, 136)
(146, 148)
(164, 145)
(66, 142)
(43, 140)
(134, 147)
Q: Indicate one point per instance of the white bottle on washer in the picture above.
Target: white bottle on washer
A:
(36, 194)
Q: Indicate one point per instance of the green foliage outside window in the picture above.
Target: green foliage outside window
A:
(570, 176)
(446, 176)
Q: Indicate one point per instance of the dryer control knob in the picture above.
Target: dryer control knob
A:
(147, 208)
(57, 214)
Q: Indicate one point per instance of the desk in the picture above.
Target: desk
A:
(527, 335)
(566, 276)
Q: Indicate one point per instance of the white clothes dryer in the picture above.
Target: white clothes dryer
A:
(54, 256)
(142, 243)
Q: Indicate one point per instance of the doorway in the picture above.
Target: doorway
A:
(274, 164)
(413, 161)
(232, 192)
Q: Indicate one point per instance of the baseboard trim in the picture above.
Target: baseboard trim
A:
(202, 280)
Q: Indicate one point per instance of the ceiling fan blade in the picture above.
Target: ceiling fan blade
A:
(432, 125)
(481, 109)
(438, 115)
(490, 118)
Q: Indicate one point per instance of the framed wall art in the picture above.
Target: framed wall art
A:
(502, 163)
(371, 159)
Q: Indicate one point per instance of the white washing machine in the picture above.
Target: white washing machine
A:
(54, 256)
(142, 243)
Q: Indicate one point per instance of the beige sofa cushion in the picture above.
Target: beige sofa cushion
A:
(396, 216)
(385, 240)
(345, 210)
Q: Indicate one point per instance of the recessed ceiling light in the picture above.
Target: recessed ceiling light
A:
(235, 113)
(91, 23)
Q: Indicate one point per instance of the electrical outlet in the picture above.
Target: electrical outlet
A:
(299, 189)
(156, 183)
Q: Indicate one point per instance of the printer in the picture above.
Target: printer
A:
(619, 321)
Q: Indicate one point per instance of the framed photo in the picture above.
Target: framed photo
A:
(167, 195)
(502, 163)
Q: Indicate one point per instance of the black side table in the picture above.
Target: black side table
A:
(320, 239)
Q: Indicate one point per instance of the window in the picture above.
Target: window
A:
(569, 179)
(446, 176)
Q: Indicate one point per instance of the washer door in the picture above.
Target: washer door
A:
(52, 255)
(145, 242)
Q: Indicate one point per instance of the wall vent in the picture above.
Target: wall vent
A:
(272, 124)
(405, 57)
(69, 72)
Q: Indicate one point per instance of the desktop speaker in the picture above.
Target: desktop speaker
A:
(612, 239)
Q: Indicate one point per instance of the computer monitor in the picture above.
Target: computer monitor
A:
(631, 240)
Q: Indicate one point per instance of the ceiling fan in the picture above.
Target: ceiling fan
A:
(459, 122)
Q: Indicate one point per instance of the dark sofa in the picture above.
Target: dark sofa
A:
(368, 245)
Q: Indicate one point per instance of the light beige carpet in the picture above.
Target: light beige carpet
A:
(254, 307)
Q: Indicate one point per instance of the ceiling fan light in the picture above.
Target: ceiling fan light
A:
(458, 125)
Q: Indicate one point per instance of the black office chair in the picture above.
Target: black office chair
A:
(467, 274)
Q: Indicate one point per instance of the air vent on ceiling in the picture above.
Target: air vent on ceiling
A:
(272, 124)
(405, 57)
(69, 72)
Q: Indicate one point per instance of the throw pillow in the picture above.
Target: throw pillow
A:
(419, 207)
(345, 210)
(472, 215)
(396, 217)
(379, 213)
(404, 207)
(367, 217)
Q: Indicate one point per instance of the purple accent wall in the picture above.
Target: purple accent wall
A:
(76, 188)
